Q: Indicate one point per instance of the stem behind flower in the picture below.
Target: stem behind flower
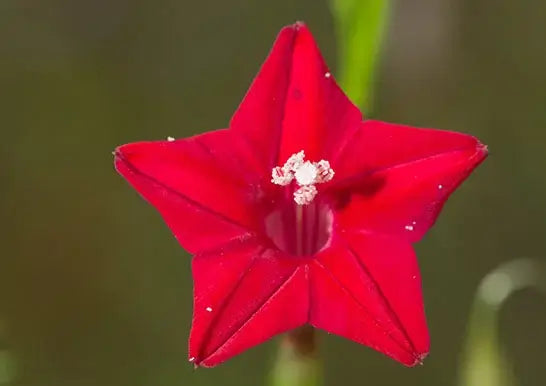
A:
(297, 361)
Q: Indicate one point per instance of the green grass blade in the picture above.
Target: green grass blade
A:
(360, 26)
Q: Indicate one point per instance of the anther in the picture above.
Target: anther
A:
(305, 194)
(280, 177)
(325, 172)
(294, 162)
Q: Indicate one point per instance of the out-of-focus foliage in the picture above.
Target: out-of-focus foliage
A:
(293, 368)
(7, 367)
(486, 361)
(360, 26)
(7, 361)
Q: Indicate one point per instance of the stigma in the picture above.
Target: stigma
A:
(306, 174)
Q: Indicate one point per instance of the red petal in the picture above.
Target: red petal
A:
(188, 182)
(368, 289)
(395, 179)
(252, 294)
(293, 105)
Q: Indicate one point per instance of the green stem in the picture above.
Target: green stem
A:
(297, 362)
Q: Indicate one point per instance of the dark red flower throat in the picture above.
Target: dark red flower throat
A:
(299, 230)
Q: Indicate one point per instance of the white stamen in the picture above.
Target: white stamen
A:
(280, 177)
(306, 174)
(325, 172)
(409, 227)
(208, 309)
(294, 162)
(327, 75)
(170, 139)
(191, 359)
(305, 194)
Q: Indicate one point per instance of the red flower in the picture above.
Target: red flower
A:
(301, 212)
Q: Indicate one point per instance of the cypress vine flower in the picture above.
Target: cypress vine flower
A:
(302, 212)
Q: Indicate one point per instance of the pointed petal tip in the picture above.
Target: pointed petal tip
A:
(297, 25)
(127, 151)
(295, 28)
(416, 359)
(116, 152)
(118, 156)
(290, 31)
(197, 363)
(204, 363)
(483, 149)
(419, 359)
(481, 153)
(121, 152)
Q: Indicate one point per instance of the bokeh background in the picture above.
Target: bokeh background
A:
(94, 290)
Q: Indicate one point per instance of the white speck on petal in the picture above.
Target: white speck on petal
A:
(208, 309)
(414, 222)
(327, 75)
(409, 227)
(170, 139)
(191, 359)
(440, 187)
(414, 277)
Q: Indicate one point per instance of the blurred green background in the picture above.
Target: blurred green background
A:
(94, 290)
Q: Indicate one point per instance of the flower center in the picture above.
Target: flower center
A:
(300, 225)
(306, 174)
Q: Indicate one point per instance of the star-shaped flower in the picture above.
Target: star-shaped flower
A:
(302, 212)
